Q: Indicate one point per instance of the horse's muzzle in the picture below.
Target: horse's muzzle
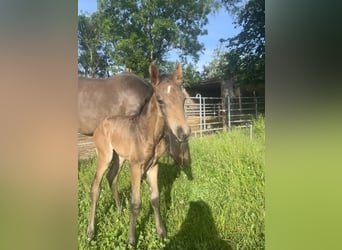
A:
(183, 135)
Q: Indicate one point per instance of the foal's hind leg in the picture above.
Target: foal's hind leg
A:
(112, 177)
(152, 179)
(135, 202)
(103, 160)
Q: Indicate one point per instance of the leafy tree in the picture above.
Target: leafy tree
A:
(190, 75)
(233, 6)
(166, 66)
(92, 61)
(214, 68)
(140, 31)
(245, 59)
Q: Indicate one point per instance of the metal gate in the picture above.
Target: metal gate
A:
(210, 114)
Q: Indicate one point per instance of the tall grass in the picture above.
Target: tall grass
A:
(218, 203)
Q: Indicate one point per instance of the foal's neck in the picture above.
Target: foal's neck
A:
(153, 119)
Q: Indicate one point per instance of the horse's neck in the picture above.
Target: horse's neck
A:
(153, 119)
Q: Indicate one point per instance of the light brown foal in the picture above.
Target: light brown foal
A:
(138, 139)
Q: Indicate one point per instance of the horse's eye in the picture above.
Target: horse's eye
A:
(160, 101)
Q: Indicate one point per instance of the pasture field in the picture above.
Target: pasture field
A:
(217, 203)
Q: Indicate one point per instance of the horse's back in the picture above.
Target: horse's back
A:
(123, 94)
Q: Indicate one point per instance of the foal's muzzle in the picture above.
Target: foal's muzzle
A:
(183, 135)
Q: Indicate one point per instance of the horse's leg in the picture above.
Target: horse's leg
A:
(135, 202)
(152, 179)
(103, 160)
(112, 177)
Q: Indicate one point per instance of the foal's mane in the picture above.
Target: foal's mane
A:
(164, 76)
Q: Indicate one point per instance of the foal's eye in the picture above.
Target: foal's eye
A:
(160, 101)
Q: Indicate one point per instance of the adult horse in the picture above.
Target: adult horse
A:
(139, 139)
(123, 94)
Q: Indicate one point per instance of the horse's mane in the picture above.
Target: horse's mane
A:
(164, 76)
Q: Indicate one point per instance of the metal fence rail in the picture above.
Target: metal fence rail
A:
(209, 114)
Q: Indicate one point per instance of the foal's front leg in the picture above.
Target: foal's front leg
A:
(135, 202)
(152, 179)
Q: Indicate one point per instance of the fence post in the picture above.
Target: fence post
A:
(228, 113)
(200, 111)
(223, 113)
(256, 106)
(204, 116)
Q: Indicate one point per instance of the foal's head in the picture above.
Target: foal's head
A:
(171, 100)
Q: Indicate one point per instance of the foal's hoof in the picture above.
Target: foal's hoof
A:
(131, 241)
(90, 233)
(162, 233)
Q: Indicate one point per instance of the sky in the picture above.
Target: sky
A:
(220, 26)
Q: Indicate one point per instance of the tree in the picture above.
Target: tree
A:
(245, 59)
(233, 6)
(141, 31)
(190, 75)
(92, 59)
(214, 68)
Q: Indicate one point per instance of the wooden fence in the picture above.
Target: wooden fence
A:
(86, 147)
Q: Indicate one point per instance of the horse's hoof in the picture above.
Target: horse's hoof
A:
(162, 233)
(90, 233)
(119, 210)
(131, 241)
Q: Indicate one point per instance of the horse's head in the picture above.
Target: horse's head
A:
(171, 100)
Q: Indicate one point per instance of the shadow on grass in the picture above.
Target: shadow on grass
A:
(198, 230)
(168, 173)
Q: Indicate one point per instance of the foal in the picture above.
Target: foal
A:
(139, 139)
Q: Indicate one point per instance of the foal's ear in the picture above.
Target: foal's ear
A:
(177, 74)
(154, 74)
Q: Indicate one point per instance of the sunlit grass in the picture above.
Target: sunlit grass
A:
(222, 207)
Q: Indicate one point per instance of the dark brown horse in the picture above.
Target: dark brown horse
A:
(123, 94)
(139, 139)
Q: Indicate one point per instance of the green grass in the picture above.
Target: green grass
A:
(221, 207)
